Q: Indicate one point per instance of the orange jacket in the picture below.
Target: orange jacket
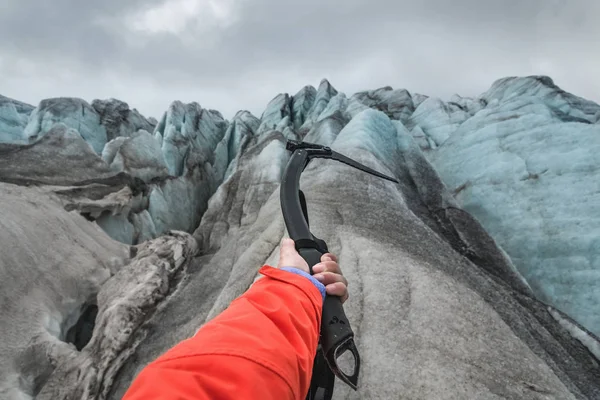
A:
(261, 347)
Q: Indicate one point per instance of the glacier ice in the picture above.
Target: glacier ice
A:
(92, 184)
(243, 124)
(243, 127)
(51, 263)
(277, 109)
(337, 104)
(117, 227)
(139, 155)
(527, 175)
(448, 260)
(437, 119)
(543, 89)
(119, 120)
(125, 300)
(324, 94)
(75, 113)
(396, 104)
(302, 103)
(13, 119)
(577, 332)
(61, 156)
(189, 135)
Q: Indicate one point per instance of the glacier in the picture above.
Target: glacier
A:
(13, 119)
(474, 277)
(525, 168)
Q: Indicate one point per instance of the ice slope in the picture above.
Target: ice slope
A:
(438, 309)
(52, 265)
(526, 167)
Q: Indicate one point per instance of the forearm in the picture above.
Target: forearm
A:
(262, 346)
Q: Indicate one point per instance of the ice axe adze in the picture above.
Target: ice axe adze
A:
(337, 337)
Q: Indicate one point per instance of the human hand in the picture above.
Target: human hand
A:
(327, 272)
(289, 256)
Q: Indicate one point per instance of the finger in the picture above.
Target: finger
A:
(327, 266)
(328, 278)
(329, 257)
(338, 289)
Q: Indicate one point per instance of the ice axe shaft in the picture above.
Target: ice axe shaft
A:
(337, 336)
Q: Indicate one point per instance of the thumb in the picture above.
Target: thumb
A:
(288, 249)
(289, 257)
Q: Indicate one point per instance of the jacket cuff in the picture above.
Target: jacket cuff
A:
(298, 280)
(311, 278)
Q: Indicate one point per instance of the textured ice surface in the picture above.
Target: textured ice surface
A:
(61, 156)
(302, 103)
(277, 109)
(543, 89)
(119, 120)
(74, 113)
(438, 308)
(13, 119)
(94, 185)
(529, 174)
(397, 104)
(584, 337)
(324, 93)
(419, 267)
(117, 227)
(437, 119)
(337, 104)
(189, 136)
(125, 301)
(140, 155)
(243, 126)
(51, 263)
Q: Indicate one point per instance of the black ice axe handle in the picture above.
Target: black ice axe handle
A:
(337, 336)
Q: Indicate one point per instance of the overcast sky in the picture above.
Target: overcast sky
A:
(238, 54)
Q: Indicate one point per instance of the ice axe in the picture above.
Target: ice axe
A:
(337, 336)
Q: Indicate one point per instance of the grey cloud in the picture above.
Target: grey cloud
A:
(434, 47)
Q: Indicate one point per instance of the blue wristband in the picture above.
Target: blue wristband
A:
(315, 282)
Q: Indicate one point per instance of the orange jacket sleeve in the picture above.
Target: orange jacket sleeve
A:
(261, 347)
